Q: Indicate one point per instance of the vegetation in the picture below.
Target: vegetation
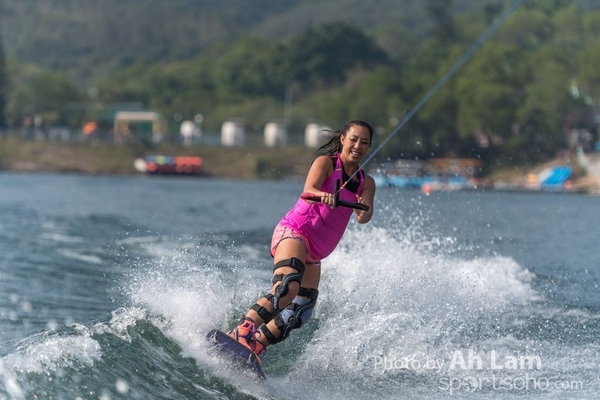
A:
(514, 101)
(3, 86)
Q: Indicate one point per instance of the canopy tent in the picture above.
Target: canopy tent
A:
(124, 119)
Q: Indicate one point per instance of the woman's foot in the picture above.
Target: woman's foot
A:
(245, 333)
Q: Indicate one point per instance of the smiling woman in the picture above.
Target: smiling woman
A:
(309, 233)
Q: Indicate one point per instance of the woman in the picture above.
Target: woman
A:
(308, 233)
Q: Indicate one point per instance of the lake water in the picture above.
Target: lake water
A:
(108, 286)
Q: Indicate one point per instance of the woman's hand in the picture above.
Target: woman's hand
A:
(327, 199)
(363, 216)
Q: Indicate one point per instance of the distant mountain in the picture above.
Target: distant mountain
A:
(88, 39)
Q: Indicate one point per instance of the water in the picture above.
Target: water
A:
(109, 285)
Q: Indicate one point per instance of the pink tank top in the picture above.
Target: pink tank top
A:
(321, 225)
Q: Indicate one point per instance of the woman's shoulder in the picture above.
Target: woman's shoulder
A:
(369, 180)
(328, 156)
(325, 159)
(324, 164)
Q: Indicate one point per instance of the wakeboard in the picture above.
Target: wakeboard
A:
(235, 351)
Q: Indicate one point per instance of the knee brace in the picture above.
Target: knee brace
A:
(282, 289)
(296, 314)
(285, 280)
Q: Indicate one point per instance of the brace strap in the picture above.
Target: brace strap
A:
(263, 312)
(293, 262)
(272, 339)
(308, 293)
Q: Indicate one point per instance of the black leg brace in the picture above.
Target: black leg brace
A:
(293, 316)
(282, 289)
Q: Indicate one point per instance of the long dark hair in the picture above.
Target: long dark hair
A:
(334, 145)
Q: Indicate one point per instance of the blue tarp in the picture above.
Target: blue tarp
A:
(415, 182)
(556, 176)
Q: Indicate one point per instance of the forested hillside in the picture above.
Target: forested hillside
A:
(88, 39)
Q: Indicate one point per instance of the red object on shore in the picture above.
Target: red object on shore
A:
(178, 165)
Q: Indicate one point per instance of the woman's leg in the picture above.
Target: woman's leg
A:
(298, 304)
(290, 250)
(286, 250)
(294, 305)
(297, 313)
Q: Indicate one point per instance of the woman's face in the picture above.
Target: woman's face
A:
(355, 143)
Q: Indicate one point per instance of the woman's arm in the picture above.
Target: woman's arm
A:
(320, 170)
(367, 197)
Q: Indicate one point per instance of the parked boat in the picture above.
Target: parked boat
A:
(169, 165)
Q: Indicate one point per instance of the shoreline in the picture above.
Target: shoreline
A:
(247, 163)
(243, 163)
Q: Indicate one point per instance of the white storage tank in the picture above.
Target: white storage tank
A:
(189, 131)
(275, 135)
(232, 134)
(315, 135)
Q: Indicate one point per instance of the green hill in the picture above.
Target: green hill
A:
(88, 39)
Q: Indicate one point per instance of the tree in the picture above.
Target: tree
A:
(440, 11)
(589, 74)
(46, 95)
(547, 6)
(374, 96)
(323, 56)
(3, 86)
(488, 91)
(253, 67)
(126, 85)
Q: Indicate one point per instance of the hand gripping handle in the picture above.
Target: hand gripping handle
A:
(337, 202)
